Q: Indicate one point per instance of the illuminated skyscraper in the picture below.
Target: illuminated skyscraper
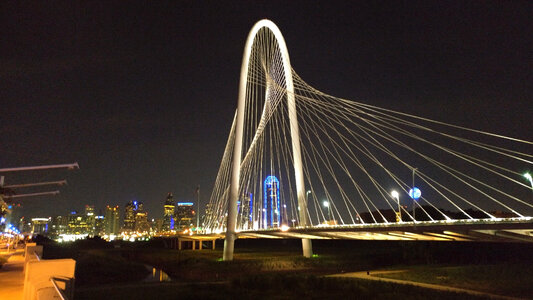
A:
(141, 219)
(58, 225)
(271, 209)
(90, 219)
(111, 220)
(168, 213)
(244, 220)
(99, 225)
(184, 215)
(39, 226)
(77, 223)
(129, 216)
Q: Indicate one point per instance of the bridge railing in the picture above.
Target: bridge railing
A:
(46, 279)
(64, 287)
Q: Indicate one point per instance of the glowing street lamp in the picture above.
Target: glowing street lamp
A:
(328, 207)
(528, 177)
(395, 195)
(415, 194)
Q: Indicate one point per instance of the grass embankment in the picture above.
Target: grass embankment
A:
(276, 269)
(503, 279)
(95, 262)
(271, 286)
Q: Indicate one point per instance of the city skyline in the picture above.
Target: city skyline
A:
(145, 105)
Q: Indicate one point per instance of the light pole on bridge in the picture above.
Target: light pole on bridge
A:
(328, 207)
(396, 195)
(528, 177)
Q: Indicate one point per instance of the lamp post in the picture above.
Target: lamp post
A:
(328, 207)
(306, 199)
(396, 196)
(528, 177)
(414, 200)
(198, 205)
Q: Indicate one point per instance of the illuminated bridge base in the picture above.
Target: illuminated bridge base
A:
(485, 230)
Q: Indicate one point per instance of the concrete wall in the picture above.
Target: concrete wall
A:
(38, 274)
(32, 252)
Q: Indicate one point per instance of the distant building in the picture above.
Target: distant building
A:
(157, 225)
(129, 216)
(184, 215)
(58, 225)
(39, 226)
(244, 220)
(141, 219)
(111, 220)
(90, 219)
(271, 209)
(168, 213)
(77, 223)
(99, 225)
(26, 225)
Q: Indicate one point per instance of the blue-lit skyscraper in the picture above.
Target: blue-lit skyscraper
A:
(271, 211)
(168, 213)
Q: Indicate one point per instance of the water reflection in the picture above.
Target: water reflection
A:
(157, 276)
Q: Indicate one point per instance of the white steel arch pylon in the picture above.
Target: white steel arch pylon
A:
(237, 150)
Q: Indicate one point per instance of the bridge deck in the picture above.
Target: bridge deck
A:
(500, 230)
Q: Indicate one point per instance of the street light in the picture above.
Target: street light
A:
(326, 205)
(528, 177)
(413, 193)
(396, 196)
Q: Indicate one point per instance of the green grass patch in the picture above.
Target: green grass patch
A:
(94, 269)
(271, 286)
(512, 279)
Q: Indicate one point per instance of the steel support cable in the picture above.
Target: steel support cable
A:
(317, 170)
(363, 169)
(315, 165)
(287, 157)
(488, 147)
(402, 182)
(341, 163)
(377, 161)
(332, 173)
(352, 156)
(456, 153)
(359, 190)
(461, 156)
(490, 197)
(350, 102)
(222, 176)
(279, 129)
(431, 161)
(475, 143)
(385, 150)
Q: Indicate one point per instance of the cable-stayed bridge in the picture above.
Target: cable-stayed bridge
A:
(304, 164)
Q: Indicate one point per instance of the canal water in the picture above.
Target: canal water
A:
(157, 275)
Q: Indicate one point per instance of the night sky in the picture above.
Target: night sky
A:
(142, 94)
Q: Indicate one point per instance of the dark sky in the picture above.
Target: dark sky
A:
(142, 94)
